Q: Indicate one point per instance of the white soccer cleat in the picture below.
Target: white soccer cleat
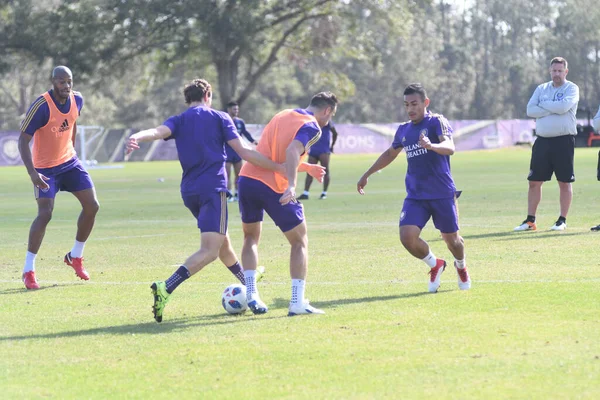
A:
(526, 226)
(435, 275)
(464, 280)
(303, 308)
(559, 226)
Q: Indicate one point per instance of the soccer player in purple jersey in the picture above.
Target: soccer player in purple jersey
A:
(233, 158)
(200, 133)
(320, 152)
(427, 140)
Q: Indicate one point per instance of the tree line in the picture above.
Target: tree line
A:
(479, 59)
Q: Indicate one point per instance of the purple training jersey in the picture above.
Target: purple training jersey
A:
(428, 176)
(200, 135)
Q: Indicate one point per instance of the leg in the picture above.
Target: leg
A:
(87, 217)
(229, 259)
(456, 245)
(298, 239)
(210, 246)
(566, 196)
(411, 240)
(324, 160)
(38, 227)
(309, 179)
(534, 196)
(252, 233)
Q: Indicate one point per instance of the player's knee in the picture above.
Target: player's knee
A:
(408, 240)
(92, 207)
(45, 214)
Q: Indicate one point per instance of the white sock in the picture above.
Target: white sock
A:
(250, 278)
(324, 193)
(305, 193)
(29, 262)
(77, 250)
(430, 260)
(460, 263)
(297, 291)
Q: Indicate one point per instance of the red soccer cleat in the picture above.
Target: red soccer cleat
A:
(77, 264)
(435, 275)
(30, 281)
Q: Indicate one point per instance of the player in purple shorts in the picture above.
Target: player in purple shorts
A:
(200, 134)
(427, 140)
(53, 166)
(320, 152)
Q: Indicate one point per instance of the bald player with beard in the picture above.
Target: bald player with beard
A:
(53, 166)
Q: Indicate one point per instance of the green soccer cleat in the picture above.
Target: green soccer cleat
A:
(161, 298)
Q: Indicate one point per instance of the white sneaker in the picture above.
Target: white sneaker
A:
(464, 280)
(559, 226)
(435, 275)
(260, 272)
(304, 308)
(257, 306)
(526, 226)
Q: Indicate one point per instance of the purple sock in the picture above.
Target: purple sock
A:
(237, 270)
(177, 278)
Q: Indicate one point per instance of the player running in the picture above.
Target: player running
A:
(427, 140)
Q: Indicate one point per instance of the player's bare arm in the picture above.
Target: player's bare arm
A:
(254, 157)
(37, 179)
(445, 147)
(148, 135)
(74, 133)
(292, 160)
(383, 161)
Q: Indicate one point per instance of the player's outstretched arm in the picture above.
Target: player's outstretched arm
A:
(37, 179)
(149, 135)
(254, 157)
(383, 161)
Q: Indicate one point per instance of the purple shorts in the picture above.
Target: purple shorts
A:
(231, 156)
(210, 210)
(69, 177)
(256, 197)
(443, 211)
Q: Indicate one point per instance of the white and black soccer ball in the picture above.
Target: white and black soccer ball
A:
(234, 299)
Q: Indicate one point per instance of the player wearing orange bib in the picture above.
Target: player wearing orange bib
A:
(285, 139)
(52, 164)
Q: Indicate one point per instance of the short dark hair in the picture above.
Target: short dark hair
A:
(416, 88)
(559, 60)
(323, 100)
(196, 90)
(232, 104)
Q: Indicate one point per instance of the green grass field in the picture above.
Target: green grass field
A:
(529, 328)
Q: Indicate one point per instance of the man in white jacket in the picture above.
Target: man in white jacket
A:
(553, 105)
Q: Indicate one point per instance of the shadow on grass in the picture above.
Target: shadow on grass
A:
(151, 328)
(24, 290)
(284, 303)
(510, 235)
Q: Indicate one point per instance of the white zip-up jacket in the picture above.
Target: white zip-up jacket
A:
(596, 121)
(554, 109)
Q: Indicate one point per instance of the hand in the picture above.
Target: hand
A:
(360, 185)
(316, 171)
(39, 181)
(288, 196)
(424, 142)
(131, 145)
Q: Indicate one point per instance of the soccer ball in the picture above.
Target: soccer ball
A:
(234, 299)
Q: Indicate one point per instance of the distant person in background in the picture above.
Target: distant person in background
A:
(431, 193)
(596, 125)
(233, 159)
(52, 124)
(320, 152)
(553, 105)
